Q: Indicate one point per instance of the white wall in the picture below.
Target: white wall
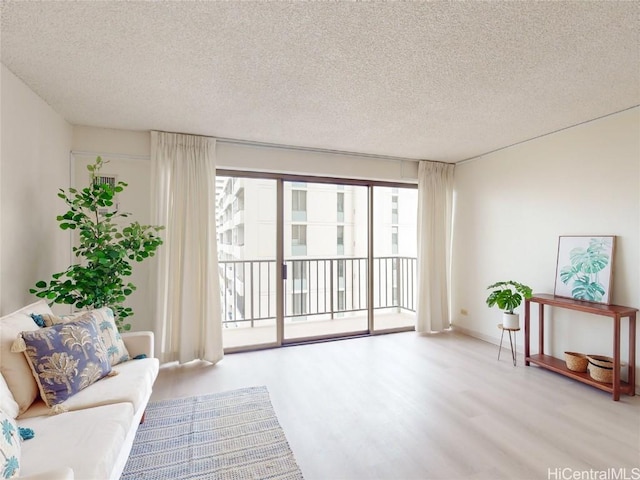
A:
(303, 162)
(34, 164)
(511, 206)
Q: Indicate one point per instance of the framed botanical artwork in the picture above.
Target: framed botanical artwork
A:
(584, 269)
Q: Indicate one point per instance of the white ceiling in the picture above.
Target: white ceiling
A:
(440, 81)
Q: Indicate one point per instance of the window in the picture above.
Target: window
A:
(394, 209)
(341, 302)
(340, 206)
(299, 275)
(298, 239)
(340, 240)
(298, 205)
(238, 235)
(299, 302)
(341, 276)
(394, 240)
(394, 281)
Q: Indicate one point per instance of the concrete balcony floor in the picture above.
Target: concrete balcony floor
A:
(264, 332)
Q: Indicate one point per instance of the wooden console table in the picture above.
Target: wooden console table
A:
(616, 312)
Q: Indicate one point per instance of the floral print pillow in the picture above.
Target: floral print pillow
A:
(116, 348)
(9, 447)
(65, 358)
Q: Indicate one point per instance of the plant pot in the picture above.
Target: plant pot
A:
(510, 320)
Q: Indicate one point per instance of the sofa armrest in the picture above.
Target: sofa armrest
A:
(62, 473)
(138, 343)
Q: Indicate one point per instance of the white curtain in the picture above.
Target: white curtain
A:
(188, 323)
(435, 199)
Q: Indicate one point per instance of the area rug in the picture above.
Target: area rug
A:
(232, 435)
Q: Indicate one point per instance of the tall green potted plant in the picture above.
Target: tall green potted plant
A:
(508, 296)
(106, 248)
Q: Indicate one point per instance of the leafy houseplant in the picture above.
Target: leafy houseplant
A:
(508, 296)
(106, 249)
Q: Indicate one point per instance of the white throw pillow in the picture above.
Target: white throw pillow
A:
(14, 366)
(7, 403)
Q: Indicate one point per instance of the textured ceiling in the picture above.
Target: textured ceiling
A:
(441, 81)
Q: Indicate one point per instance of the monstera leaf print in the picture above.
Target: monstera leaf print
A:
(584, 289)
(586, 264)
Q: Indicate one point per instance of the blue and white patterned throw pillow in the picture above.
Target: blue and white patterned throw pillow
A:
(65, 358)
(9, 447)
(116, 348)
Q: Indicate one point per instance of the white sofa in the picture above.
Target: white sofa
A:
(92, 440)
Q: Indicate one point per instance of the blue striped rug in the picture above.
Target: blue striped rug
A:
(232, 435)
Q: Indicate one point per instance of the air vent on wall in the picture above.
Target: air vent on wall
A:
(111, 180)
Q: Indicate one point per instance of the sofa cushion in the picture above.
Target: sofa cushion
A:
(13, 365)
(9, 447)
(66, 358)
(89, 441)
(116, 348)
(132, 385)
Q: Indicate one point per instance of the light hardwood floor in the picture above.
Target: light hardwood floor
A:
(405, 406)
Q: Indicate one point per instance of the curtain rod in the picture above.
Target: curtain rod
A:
(234, 141)
(250, 143)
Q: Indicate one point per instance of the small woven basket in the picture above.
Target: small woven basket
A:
(576, 362)
(601, 368)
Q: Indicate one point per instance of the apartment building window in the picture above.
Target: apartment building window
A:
(299, 205)
(341, 301)
(299, 301)
(394, 281)
(238, 235)
(299, 275)
(340, 240)
(394, 209)
(341, 276)
(298, 239)
(340, 206)
(394, 240)
(238, 202)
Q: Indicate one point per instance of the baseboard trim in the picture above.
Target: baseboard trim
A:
(496, 341)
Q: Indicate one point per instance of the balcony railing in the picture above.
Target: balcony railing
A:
(323, 288)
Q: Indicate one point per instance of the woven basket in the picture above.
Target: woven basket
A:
(601, 368)
(576, 362)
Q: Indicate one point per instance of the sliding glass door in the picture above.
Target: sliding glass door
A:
(394, 257)
(306, 260)
(325, 257)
